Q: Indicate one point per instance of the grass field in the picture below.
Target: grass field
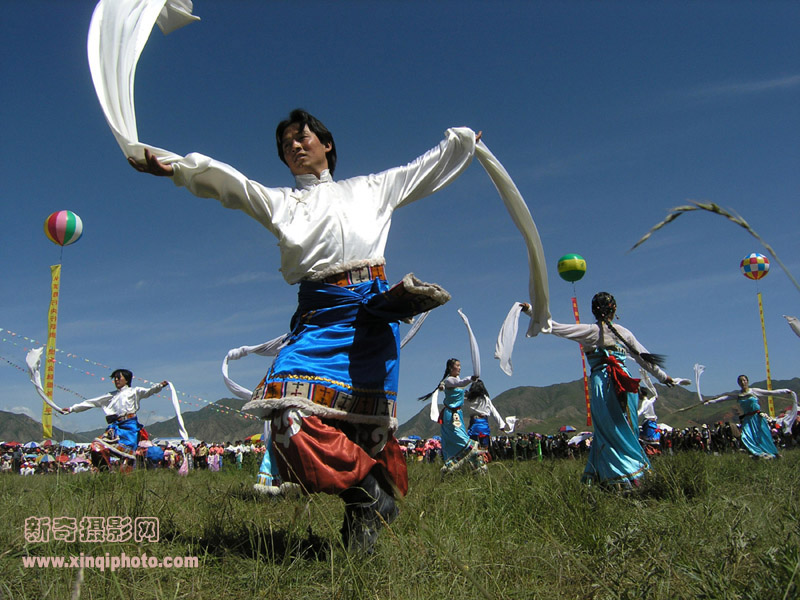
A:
(702, 527)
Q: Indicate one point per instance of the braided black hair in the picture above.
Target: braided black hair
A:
(604, 307)
(450, 363)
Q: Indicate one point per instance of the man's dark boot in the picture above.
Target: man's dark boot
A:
(367, 508)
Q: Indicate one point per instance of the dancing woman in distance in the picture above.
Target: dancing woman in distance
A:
(479, 408)
(756, 434)
(616, 456)
(458, 450)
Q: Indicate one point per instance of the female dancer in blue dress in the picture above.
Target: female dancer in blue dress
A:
(756, 434)
(458, 450)
(616, 456)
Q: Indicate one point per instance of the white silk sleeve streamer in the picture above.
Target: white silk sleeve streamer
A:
(537, 284)
(794, 323)
(506, 338)
(473, 346)
(435, 405)
(698, 370)
(414, 328)
(118, 33)
(787, 420)
(34, 361)
(270, 348)
(648, 408)
(176, 405)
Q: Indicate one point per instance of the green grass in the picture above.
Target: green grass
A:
(701, 527)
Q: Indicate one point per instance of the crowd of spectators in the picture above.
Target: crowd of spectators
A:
(52, 457)
(717, 438)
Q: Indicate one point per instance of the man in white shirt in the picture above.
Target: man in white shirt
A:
(332, 389)
(120, 407)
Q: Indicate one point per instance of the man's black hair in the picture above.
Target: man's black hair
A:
(125, 373)
(302, 118)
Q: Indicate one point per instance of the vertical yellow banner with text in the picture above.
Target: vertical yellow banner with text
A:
(50, 354)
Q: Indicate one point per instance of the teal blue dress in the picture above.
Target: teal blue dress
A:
(615, 456)
(756, 436)
(455, 439)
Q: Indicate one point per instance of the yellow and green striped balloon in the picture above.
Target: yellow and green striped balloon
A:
(571, 267)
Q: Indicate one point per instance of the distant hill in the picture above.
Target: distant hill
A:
(21, 428)
(545, 409)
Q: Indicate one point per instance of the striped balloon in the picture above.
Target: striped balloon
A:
(754, 266)
(571, 267)
(63, 227)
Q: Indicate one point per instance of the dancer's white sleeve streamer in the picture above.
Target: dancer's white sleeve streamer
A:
(473, 346)
(117, 35)
(270, 348)
(34, 361)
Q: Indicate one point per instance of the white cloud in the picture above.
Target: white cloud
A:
(23, 410)
(742, 88)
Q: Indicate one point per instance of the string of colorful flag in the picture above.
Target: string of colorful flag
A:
(10, 337)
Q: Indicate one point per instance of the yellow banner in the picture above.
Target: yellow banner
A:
(50, 354)
(770, 403)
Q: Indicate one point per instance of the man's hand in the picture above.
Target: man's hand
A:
(152, 165)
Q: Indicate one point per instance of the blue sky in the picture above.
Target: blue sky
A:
(606, 114)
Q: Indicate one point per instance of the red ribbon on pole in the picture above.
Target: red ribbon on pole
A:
(583, 362)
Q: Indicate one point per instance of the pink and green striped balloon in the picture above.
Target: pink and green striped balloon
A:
(63, 227)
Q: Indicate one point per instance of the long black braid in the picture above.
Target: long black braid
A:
(604, 306)
(450, 363)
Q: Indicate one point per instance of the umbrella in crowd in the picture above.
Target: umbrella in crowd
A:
(145, 444)
(577, 439)
(30, 445)
(566, 429)
(45, 458)
(67, 444)
(62, 458)
(256, 437)
(76, 460)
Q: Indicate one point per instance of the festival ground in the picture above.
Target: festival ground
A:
(703, 526)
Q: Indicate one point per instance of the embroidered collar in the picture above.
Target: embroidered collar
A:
(307, 181)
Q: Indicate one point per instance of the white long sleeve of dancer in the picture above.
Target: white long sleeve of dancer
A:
(120, 402)
(324, 225)
(484, 407)
(593, 336)
(456, 382)
(785, 393)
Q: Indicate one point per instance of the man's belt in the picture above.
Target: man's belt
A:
(114, 418)
(357, 275)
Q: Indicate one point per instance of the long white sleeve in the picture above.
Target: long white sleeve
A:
(99, 402)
